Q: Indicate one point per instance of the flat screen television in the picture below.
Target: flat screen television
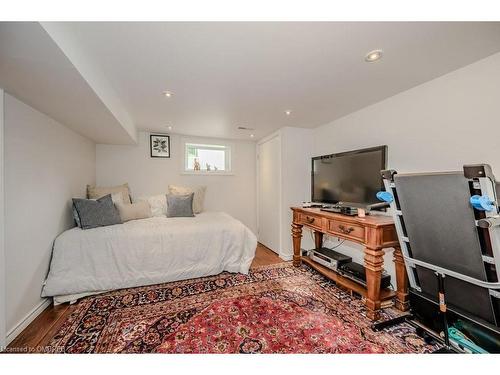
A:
(348, 177)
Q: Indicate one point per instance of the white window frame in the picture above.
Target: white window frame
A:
(228, 147)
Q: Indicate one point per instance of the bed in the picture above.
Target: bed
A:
(145, 252)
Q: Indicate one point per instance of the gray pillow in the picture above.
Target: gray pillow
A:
(180, 205)
(75, 216)
(96, 213)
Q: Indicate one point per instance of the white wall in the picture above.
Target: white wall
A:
(296, 145)
(2, 222)
(62, 35)
(46, 164)
(437, 126)
(294, 185)
(234, 194)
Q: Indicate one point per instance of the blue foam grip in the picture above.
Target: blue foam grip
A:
(385, 196)
(482, 203)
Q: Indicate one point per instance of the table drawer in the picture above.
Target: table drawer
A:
(310, 220)
(347, 229)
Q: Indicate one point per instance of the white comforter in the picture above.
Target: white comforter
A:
(148, 251)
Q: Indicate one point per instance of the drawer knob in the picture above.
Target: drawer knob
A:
(345, 230)
(310, 220)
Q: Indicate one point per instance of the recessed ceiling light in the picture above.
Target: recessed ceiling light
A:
(169, 127)
(251, 135)
(168, 94)
(288, 112)
(374, 55)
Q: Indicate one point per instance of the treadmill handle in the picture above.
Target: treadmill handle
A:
(489, 222)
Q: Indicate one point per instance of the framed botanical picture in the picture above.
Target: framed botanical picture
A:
(160, 145)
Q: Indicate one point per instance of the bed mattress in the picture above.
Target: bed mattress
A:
(145, 252)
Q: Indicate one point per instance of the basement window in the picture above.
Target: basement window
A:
(207, 158)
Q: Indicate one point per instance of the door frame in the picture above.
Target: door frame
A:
(270, 137)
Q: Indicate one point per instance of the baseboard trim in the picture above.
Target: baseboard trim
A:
(286, 257)
(37, 310)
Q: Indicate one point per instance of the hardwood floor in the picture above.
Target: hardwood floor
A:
(43, 328)
(265, 256)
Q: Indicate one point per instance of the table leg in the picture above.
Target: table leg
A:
(374, 263)
(402, 300)
(318, 240)
(296, 238)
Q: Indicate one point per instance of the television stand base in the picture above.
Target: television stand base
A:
(375, 233)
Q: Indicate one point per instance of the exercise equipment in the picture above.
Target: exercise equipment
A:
(463, 342)
(448, 225)
(482, 203)
(385, 196)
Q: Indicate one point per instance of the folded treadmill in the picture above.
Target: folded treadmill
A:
(448, 225)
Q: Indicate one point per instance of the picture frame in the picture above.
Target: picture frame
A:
(159, 145)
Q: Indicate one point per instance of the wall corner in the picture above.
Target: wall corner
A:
(3, 339)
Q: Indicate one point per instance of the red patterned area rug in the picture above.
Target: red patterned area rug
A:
(273, 309)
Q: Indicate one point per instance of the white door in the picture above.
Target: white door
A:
(269, 193)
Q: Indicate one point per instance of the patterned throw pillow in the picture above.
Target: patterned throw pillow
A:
(115, 197)
(75, 216)
(199, 195)
(96, 213)
(96, 192)
(158, 204)
(180, 205)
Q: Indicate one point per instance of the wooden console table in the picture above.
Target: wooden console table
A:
(375, 233)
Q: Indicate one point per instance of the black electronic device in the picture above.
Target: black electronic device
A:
(329, 258)
(311, 205)
(350, 178)
(344, 210)
(356, 272)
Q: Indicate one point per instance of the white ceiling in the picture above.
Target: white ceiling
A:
(34, 69)
(226, 75)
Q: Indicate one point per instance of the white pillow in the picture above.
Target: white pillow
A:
(117, 198)
(158, 204)
(199, 195)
